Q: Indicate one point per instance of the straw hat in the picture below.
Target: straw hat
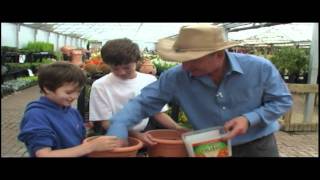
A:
(193, 42)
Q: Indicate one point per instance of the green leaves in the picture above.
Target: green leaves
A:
(293, 59)
(160, 64)
(5, 49)
(21, 66)
(39, 47)
(9, 87)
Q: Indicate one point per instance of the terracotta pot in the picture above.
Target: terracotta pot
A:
(104, 68)
(148, 67)
(169, 144)
(67, 50)
(91, 68)
(76, 57)
(129, 151)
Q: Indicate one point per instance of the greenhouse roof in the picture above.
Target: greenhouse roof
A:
(248, 33)
(277, 34)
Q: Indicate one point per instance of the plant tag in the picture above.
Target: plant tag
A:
(30, 72)
(22, 58)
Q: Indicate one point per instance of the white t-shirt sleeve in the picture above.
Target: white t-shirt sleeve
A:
(99, 108)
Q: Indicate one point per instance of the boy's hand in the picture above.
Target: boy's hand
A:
(104, 143)
(105, 124)
(88, 124)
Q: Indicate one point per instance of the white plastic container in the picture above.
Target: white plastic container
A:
(207, 143)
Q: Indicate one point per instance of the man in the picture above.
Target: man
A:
(243, 93)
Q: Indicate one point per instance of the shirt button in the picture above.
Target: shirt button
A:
(224, 108)
(219, 94)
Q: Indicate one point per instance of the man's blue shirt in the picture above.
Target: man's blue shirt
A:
(251, 87)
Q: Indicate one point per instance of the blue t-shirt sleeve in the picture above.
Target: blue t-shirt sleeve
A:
(36, 133)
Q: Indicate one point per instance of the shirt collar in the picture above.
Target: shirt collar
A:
(234, 65)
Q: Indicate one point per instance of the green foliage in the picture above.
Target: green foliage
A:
(24, 51)
(18, 66)
(6, 90)
(182, 118)
(5, 49)
(160, 64)
(21, 66)
(11, 86)
(58, 55)
(293, 59)
(39, 47)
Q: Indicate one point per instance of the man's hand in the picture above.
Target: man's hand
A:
(144, 137)
(235, 127)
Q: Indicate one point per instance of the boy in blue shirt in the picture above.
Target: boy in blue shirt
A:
(50, 126)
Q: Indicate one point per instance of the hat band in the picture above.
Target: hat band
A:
(196, 49)
(218, 46)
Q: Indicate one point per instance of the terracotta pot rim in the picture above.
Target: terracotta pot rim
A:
(125, 149)
(165, 141)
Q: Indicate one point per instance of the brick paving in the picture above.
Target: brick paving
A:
(12, 108)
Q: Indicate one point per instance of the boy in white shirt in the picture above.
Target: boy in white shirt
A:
(111, 92)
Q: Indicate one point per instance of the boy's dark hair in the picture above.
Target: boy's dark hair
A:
(120, 51)
(54, 75)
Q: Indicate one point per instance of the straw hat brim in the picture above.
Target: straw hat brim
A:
(165, 49)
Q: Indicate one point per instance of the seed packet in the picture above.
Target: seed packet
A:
(207, 143)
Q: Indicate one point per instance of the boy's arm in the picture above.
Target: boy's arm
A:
(103, 143)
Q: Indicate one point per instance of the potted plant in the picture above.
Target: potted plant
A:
(290, 61)
(146, 66)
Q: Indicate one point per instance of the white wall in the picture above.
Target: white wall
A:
(68, 41)
(8, 34)
(61, 41)
(72, 42)
(42, 36)
(53, 39)
(26, 35)
(78, 43)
